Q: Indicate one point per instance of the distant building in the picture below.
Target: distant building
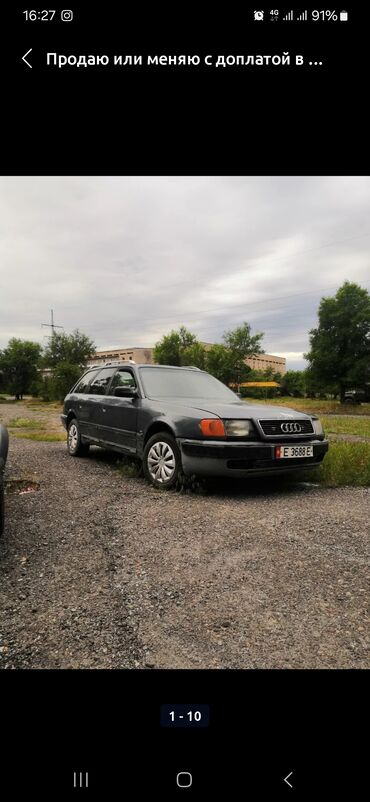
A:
(264, 361)
(139, 355)
(145, 356)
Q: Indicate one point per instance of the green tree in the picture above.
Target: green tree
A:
(293, 382)
(195, 355)
(75, 349)
(64, 377)
(339, 353)
(174, 347)
(241, 344)
(19, 362)
(220, 362)
(227, 362)
(315, 387)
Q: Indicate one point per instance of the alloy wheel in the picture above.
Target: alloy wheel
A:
(161, 462)
(72, 437)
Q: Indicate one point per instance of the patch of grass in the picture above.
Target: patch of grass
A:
(129, 468)
(344, 464)
(315, 406)
(191, 484)
(129, 471)
(343, 425)
(24, 423)
(132, 469)
(38, 403)
(47, 437)
(28, 429)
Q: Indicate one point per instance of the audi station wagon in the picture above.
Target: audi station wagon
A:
(183, 420)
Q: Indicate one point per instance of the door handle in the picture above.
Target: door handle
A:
(103, 409)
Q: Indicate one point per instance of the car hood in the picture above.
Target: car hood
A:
(237, 409)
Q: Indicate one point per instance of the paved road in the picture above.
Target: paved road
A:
(98, 570)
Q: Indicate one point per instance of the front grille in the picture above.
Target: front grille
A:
(272, 428)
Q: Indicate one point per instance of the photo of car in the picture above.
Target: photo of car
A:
(182, 419)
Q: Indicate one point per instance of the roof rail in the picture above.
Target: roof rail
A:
(119, 362)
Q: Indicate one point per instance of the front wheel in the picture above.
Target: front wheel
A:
(162, 461)
(75, 447)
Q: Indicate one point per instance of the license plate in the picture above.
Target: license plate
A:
(292, 452)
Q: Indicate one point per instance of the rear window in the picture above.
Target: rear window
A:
(83, 384)
(101, 382)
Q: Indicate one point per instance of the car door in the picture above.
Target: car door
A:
(95, 401)
(79, 402)
(118, 422)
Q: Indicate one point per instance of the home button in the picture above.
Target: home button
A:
(184, 779)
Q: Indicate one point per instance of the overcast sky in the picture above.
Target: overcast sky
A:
(125, 260)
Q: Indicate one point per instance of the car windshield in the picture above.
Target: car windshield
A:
(172, 383)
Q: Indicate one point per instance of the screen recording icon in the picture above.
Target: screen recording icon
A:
(66, 15)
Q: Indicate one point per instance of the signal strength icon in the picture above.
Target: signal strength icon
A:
(288, 17)
(302, 17)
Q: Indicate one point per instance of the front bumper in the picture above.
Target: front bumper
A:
(214, 458)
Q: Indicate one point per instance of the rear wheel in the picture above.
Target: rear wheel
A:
(75, 447)
(162, 461)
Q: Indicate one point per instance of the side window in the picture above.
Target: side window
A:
(100, 383)
(83, 385)
(123, 378)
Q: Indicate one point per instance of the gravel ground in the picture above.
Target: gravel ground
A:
(102, 571)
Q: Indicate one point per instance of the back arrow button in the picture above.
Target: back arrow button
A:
(25, 60)
(286, 779)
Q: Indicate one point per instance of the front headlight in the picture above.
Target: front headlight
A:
(238, 428)
(317, 426)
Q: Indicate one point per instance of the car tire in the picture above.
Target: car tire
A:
(2, 505)
(162, 461)
(75, 447)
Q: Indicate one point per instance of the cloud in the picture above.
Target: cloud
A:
(126, 259)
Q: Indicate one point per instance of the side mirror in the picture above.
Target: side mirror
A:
(125, 392)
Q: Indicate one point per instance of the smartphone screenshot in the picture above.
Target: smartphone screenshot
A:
(184, 402)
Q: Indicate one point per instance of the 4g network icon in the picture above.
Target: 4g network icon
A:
(260, 15)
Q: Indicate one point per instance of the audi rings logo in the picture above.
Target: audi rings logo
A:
(291, 428)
